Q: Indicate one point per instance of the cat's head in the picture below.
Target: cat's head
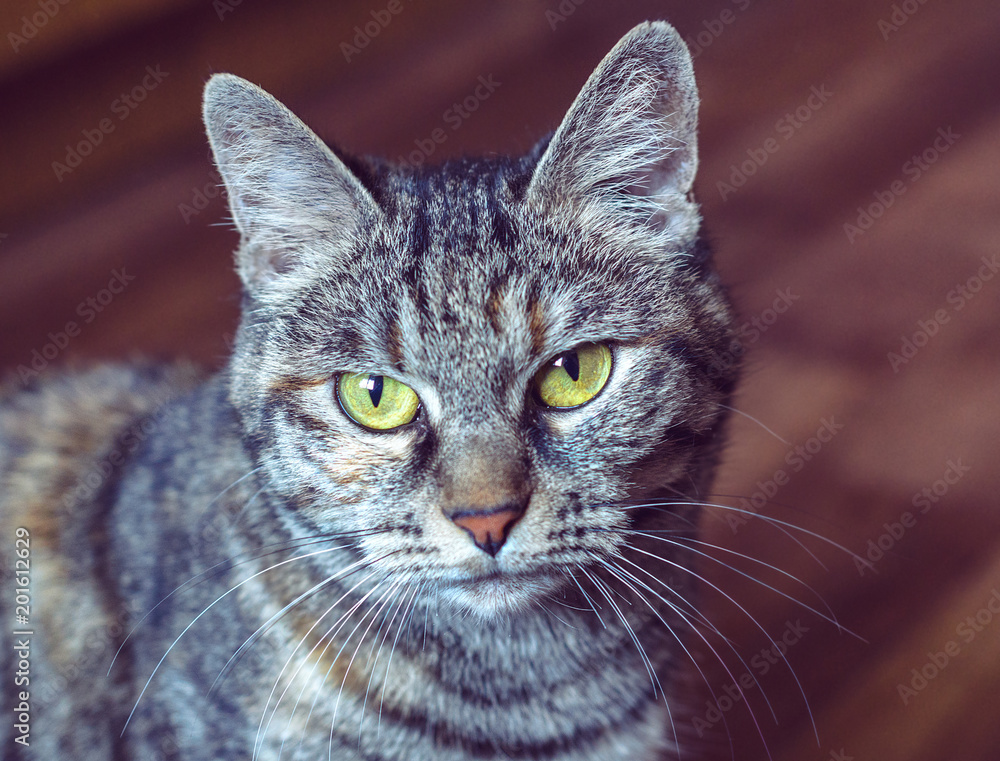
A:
(476, 370)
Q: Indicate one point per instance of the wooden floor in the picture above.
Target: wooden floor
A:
(850, 178)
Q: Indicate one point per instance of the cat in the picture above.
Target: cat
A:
(439, 504)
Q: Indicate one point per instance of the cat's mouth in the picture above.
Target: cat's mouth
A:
(497, 592)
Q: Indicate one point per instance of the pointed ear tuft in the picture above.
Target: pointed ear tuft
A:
(289, 194)
(629, 141)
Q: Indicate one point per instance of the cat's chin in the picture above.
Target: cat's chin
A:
(499, 595)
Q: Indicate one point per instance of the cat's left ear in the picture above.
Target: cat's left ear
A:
(629, 141)
(290, 195)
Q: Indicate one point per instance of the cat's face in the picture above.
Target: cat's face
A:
(477, 372)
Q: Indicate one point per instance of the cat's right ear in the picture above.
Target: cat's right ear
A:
(290, 195)
(627, 148)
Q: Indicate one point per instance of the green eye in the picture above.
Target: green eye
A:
(376, 401)
(575, 376)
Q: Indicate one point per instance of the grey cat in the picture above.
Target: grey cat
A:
(439, 504)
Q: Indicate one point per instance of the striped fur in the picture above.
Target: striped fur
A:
(291, 582)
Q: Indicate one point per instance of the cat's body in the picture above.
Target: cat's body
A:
(498, 571)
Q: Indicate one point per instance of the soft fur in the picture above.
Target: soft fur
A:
(289, 582)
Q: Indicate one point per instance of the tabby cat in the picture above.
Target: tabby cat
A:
(438, 505)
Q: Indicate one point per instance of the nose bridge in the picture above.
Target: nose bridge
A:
(485, 484)
(482, 470)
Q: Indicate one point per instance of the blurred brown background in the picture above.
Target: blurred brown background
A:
(849, 177)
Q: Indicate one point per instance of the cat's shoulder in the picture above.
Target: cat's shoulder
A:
(64, 430)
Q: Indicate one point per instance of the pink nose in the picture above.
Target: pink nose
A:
(488, 529)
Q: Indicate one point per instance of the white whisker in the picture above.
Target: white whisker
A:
(704, 639)
(829, 616)
(755, 420)
(202, 613)
(407, 615)
(705, 581)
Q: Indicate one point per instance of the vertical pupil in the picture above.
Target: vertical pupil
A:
(374, 386)
(570, 362)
